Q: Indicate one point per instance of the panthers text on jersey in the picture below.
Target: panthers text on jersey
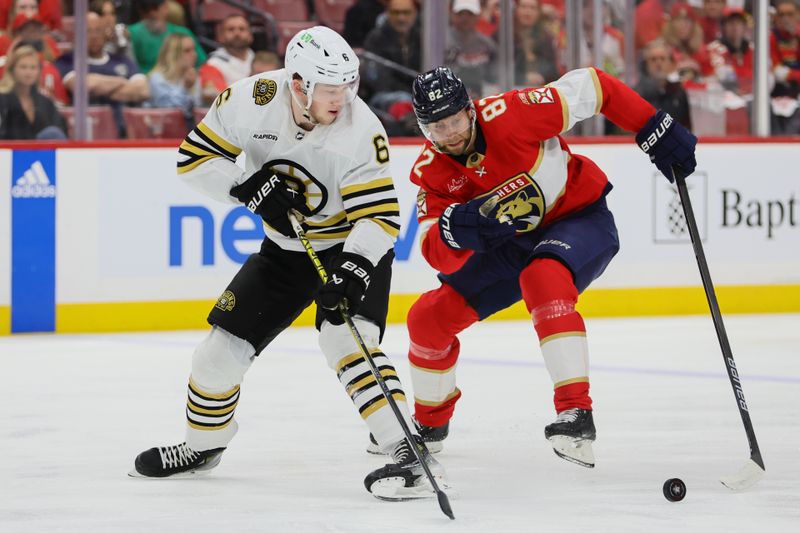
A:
(521, 158)
(343, 168)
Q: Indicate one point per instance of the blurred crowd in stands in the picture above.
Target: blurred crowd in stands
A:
(156, 65)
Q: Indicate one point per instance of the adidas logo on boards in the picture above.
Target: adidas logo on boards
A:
(34, 183)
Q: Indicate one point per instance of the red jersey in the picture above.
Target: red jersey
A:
(719, 61)
(49, 11)
(785, 50)
(526, 163)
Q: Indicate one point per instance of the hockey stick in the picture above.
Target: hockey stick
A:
(753, 471)
(444, 502)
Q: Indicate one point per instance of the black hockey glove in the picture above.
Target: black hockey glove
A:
(267, 195)
(463, 226)
(348, 279)
(668, 144)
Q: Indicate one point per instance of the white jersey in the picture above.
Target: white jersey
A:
(343, 168)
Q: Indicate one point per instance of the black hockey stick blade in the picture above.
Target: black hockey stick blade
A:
(444, 504)
(753, 471)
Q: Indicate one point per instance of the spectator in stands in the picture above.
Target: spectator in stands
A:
(31, 29)
(148, 35)
(174, 81)
(176, 12)
(612, 44)
(729, 60)
(360, 19)
(49, 11)
(50, 83)
(398, 40)
(112, 80)
(684, 35)
(24, 112)
(386, 89)
(231, 62)
(264, 61)
(534, 56)
(785, 52)
(118, 38)
(660, 85)
(649, 20)
(711, 19)
(490, 18)
(469, 53)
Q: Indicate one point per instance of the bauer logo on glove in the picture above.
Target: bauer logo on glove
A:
(656, 134)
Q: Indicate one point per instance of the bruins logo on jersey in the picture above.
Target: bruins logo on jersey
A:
(226, 302)
(519, 198)
(301, 179)
(264, 91)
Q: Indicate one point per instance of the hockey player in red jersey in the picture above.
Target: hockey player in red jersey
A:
(508, 213)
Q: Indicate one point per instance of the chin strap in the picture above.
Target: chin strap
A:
(304, 108)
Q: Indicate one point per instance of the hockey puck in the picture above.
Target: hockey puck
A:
(674, 489)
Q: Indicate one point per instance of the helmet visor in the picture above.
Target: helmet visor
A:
(449, 130)
(327, 94)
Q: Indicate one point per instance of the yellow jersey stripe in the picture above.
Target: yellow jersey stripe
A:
(398, 397)
(583, 379)
(333, 220)
(212, 395)
(369, 379)
(389, 207)
(193, 149)
(187, 166)
(219, 141)
(374, 184)
(598, 89)
(557, 336)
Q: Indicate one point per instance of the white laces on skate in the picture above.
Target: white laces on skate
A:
(401, 452)
(570, 415)
(174, 456)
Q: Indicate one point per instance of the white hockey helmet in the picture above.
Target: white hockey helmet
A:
(320, 55)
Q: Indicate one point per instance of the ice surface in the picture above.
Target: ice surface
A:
(78, 408)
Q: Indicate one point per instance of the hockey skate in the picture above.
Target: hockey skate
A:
(572, 435)
(175, 461)
(433, 438)
(405, 479)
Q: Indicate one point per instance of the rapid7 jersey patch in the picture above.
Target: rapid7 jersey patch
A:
(519, 198)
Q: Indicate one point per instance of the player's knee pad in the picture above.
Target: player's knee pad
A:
(221, 360)
(548, 289)
(551, 310)
(337, 341)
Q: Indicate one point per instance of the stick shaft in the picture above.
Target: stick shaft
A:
(722, 336)
(298, 229)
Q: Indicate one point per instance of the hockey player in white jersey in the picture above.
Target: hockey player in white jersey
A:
(314, 147)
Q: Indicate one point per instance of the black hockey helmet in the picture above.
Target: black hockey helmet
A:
(438, 94)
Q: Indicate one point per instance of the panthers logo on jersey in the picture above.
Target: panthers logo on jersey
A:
(519, 198)
(301, 180)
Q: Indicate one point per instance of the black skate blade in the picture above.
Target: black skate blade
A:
(577, 451)
(573, 459)
(181, 475)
